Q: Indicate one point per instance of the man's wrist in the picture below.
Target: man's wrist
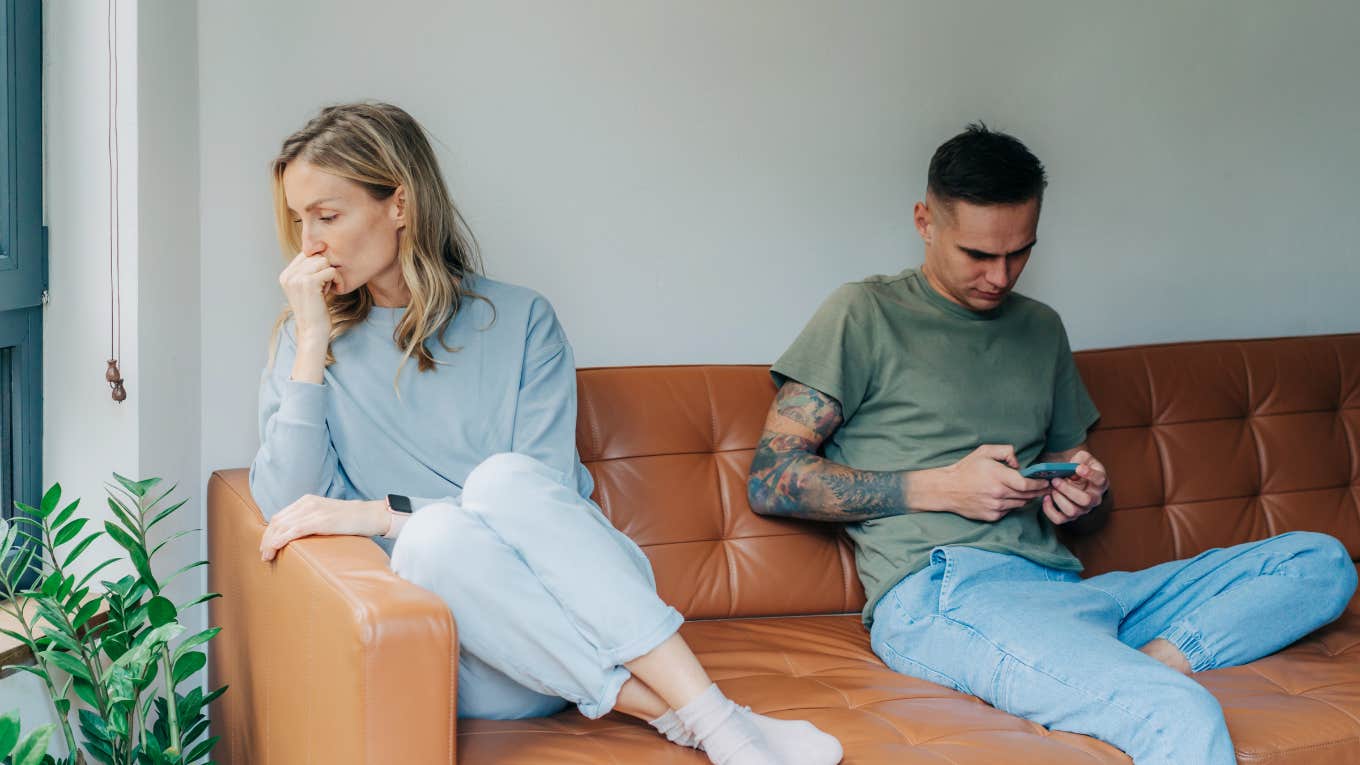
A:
(920, 489)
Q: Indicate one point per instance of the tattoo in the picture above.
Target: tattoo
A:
(789, 478)
(808, 407)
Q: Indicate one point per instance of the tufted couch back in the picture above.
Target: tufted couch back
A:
(1208, 444)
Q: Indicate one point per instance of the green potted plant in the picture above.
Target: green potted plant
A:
(119, 644)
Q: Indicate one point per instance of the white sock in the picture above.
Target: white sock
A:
(669, 725)
(727, 736)
(796, 742)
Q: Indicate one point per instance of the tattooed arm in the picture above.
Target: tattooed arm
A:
(789, 478)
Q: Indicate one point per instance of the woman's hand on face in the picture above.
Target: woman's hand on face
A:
(313, 515)
(305, 281)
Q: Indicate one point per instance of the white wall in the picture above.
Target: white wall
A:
(86, 435)
(156, 431)
(686, 181)
(170, 427)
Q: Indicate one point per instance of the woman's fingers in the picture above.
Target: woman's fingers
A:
(277, 538)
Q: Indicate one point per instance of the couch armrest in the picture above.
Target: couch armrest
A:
(330, 656)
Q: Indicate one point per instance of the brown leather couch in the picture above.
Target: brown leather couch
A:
(332, 659)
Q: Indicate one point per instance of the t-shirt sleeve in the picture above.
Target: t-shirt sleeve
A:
(1073, 411)
(832, 353)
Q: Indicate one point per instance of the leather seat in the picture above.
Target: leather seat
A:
(1208, 444)
(1299, 706)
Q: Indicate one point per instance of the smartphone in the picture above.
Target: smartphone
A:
(1050, 470)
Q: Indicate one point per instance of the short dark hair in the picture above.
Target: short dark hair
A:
(985, 167)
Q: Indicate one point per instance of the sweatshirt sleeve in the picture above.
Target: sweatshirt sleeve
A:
(296, 456)
(545, 409)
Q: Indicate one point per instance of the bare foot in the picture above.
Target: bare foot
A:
(1168, 654)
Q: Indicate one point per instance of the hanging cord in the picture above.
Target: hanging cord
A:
(112, 375)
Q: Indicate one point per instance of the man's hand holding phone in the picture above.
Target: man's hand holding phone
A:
(1078, 494)
(983, 486)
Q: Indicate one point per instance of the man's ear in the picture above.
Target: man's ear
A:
(923, 217)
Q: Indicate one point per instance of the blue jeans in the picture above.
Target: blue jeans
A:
(550, 599)
(1045, 645)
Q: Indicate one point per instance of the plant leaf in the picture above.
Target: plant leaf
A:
(163, 495)
(211, 697)
(68, 532)
(62, 640)
(188, 664)
(75, 600)
(195, 730)
(162, 515)
(183, 569)
(64, 591)
(21, 637)
(30, 751)
(85, 692)
(86, 613)
(90, 574)
(66, 513)
(80, 547)
(123, 515)
(50, 500)
(137, 488)
(161, 611)
(51, 583)
(19, 565)
(29, 668)
(9, 733)
(204, 598)
(49, 611)
(172, 538)
(201, 749)
(67, 663)
(136, 553)
(196, 640)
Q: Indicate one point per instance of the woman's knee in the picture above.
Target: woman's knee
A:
(427, 539)
(505, 480)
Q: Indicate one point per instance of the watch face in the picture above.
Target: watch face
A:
(398, 503)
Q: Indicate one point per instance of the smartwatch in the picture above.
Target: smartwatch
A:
(398, 503)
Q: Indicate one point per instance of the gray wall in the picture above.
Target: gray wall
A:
(686, 181)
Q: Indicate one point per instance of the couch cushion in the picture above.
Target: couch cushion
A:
(670, 448)
(1300, 706)
(1217, 443)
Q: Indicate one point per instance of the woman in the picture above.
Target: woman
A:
(399, 370)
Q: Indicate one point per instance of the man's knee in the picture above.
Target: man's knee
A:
(1320, 555)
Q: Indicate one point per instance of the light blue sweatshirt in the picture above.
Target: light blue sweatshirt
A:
(510, 386)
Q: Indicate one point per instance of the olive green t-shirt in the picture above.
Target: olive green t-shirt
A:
(922, 382)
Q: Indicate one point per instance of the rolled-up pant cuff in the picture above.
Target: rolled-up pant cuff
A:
(1190, 643)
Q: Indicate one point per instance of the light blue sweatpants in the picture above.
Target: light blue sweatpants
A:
(550, 599)
(1045, 645)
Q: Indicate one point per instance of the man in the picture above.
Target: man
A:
(906, 409)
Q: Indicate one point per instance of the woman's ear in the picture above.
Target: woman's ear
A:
(398, 208)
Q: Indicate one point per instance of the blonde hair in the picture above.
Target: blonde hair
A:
(381, 147)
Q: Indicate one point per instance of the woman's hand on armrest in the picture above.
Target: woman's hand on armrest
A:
(313, 515)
